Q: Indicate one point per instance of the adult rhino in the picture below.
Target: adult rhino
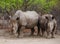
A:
(22, 20)
(48, 23)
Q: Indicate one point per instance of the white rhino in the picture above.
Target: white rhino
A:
(27, 19)
(48, 23)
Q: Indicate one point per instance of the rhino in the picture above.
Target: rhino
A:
(48, 24)
(22, 20)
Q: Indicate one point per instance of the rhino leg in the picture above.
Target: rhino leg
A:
(53, 32)
(32, 31)
(48, 33)
(53, 35)
(38, 30)
(43, 32)
(18, 31)
(14, 29)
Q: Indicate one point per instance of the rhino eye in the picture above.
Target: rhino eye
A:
(17, 18)
(53, 17)
(46, 17)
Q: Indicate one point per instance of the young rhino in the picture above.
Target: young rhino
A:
(48, 23)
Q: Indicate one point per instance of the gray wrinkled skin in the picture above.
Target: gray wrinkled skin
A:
(27, 19)
(49, 24)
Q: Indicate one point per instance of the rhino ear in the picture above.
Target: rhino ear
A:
(53, 17)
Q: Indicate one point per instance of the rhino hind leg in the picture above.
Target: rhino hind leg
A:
(39, 29)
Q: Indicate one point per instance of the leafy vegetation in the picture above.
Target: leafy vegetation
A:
(43, 6)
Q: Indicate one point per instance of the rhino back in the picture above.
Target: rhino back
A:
(29, 18)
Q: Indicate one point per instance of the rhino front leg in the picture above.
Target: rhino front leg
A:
(32, 31)
(20, 31)
(53, 32)
(48, 33)
(14, 29)
(43, 31)
(53, 35)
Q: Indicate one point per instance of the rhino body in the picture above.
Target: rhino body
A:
(48, 23)
(28, 19)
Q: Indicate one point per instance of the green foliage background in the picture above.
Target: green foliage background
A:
(43, 6)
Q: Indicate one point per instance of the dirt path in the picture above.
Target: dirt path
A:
(7, 39)
(29, 40)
